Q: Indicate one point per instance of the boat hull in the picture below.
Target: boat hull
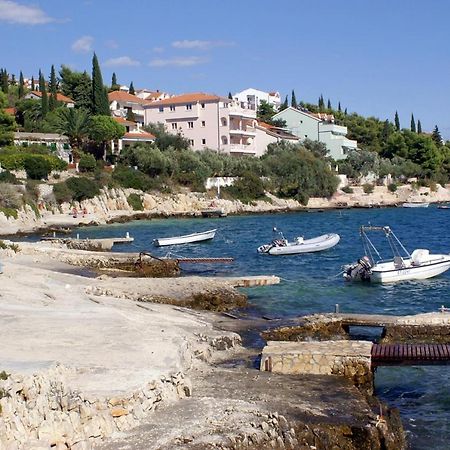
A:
(415, 205)
(186, 239)
(421, 272)
(318, 244)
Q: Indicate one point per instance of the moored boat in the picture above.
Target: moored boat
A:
(282, 246)
(403, 266)
(185, 239)
(415, 205)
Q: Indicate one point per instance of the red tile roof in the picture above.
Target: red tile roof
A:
(121, 96)
(195, 97)
(11, 111)
(59, 97)
(139, 135)
(123, 121)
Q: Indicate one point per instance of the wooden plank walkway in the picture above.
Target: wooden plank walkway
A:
(393, 354)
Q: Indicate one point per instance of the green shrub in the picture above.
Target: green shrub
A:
(131, 178)
(135, 201)
(16, 160)
(247, 188)
(347, 189)
(15, 248)
(392, 187)
(3, 375)
(36, 167)
(82, 188)
(368, 188)
(87, 163)
(62, 193)
(8, 177)
(9, 212)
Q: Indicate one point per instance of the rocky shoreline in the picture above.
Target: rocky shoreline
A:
(112, 206)
(102, 362)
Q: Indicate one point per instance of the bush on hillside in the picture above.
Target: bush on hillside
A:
(87, 163)
(62, 193)
(247, 188)
(368, 188)
(37, 168)
(131, 178)
(347, 190)
(16, 161)
(8, 177)
(135, 201)
(392, 187)
(82, 188)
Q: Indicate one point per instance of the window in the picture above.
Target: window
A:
(190, 124)
(188, 107)
(174, 126)
(203, 106)
(172, 107)
(191, 142)
(224, 121)
(161, 109)
(204, 141)
(203, 123)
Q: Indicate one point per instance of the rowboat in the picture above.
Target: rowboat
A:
(185, 239)
(300, 245)
(403, 266)
(415, 205)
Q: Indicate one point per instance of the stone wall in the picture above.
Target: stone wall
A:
(40, 410)
(351, 359)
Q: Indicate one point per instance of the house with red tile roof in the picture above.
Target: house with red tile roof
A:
(37, 95)
(123, 104)
(134, 133)
(208, 121)
(153, 96)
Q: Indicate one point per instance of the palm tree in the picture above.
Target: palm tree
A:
(74, 123)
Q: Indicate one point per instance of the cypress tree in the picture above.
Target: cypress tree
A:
(345, 111)
(397, 121)
(419, 127)
(329, 104)
(32, 83)
(114, 85)
(44, 98)
(21, 86)
(386, 131)
(40, 81)
(293, 100)
(285, 104)
(53, 89)
(321, 103)
(13, 80)
(413, 124)
(131, 90)
(100, 103)
(436, 136)
(230, 96)
(4, 81)
(339, 107)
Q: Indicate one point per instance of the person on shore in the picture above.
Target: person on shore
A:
(74, 213)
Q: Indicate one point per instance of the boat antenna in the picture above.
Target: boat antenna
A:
(368, 246)
(400, 244)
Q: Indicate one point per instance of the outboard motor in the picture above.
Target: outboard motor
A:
(359, 270)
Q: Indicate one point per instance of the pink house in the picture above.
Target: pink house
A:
(134, 134)
(207, 121)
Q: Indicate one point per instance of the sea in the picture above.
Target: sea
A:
(313, 283)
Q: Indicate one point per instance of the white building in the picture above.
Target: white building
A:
(122, 104)
(318, 127)
(253, 98)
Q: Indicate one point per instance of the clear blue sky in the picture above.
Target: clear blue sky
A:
(375, 57)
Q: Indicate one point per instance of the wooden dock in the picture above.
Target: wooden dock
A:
(409, 354)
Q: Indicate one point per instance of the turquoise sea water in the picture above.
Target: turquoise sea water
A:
(310, 285)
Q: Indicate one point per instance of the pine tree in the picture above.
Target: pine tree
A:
(329, 104)
(386, 131)
(53, 90)
(436, 136)
(397, 121)
(100, 103)
(21, 85)
(285, 104)
(293, 100)
(44, 98)
(131, 90)
(413, 124)
(419, 127)
(339, 107)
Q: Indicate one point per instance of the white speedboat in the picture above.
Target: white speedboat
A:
(282, 246)
(185, 239)
(415, 205)
(403, 266)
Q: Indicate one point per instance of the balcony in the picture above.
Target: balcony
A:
(238, 111)
(241, 149)
(248, 131)
(333, 129)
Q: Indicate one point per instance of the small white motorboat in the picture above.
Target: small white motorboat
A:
(282, 246)
(185, 239)
(419, 265)
(415, 205)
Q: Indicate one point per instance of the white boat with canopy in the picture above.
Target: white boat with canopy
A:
(281, 246)
(403, 266)
(186, 239)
